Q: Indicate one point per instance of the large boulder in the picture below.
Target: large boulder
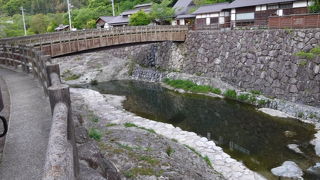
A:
(288, 169)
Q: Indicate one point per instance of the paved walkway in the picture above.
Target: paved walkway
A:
(29, 127)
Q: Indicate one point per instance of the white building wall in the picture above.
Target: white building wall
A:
(299, 4)
(207, 21)
(174, 22)
(182, 22)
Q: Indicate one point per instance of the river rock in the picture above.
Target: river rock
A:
(314, 169)
(295, 148)
(288, 169)
(290, 134)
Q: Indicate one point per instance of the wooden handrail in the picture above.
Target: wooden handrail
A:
(62, 158)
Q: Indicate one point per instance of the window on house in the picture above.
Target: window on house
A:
(214, 20)
(273, 6)
(286, 6)
(245, 16)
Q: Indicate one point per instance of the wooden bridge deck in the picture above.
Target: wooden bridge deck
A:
(56, 44)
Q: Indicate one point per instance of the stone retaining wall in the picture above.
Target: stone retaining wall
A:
(261, 60)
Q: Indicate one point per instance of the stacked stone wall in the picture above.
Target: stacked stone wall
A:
(261, 60)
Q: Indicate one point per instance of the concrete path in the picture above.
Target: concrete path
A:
(29, 127)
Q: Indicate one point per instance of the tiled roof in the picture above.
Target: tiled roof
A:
(211, 8)
(142, 5)
(181, 6)
(119, 20)
(106, 18)
(246, 3)
(132, 11)
(185, 16)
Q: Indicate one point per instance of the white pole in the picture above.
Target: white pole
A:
(69, 13)
(24, 22)
(113, 7)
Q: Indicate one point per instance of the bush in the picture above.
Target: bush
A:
(262, 102)
(216, 91)
(95, 134)
(257, 92)
(252, 99)
(188, 85)
(230, 94)
(139, 18)
(307, 55)
(243, 97)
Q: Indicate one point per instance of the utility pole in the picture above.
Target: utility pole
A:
(69, 13)
(113, 7)
(24, 22)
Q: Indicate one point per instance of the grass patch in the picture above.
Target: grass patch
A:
(142, 171)
(169, 150)
(302, 63)
(110, 125)
(252, 99)
(149, 160)
(188, 85)
(127, 125)
(68, 75)
(300, 114)
(243, 97)
(256, 92)
(193, 150)
(174, 140)
(232, 94)
(95, 134)
(125, 146)
(216, 91)
(307, 55)
(72, 77)
(311, 116)
(262, 102)
(207, 160)
(315, 51)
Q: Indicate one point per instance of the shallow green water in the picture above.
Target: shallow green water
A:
(255, 138)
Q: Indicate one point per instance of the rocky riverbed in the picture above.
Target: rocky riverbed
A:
(141, 148)
(101, 66)
(122, 147)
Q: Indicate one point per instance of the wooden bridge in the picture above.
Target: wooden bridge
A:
(61, 43)
(33, 54)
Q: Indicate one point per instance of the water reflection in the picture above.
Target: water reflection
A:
(247, 135)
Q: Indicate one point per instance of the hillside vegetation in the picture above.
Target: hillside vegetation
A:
(45, 15)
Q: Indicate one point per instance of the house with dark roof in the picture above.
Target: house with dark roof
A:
(123, 18)
(214, 14)
(257, 12)
(103, 21)
(182, 12)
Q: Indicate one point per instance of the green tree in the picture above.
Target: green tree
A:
(162, 13)
(39, 23)
(139, 18)
(315, 7)
(91, 24)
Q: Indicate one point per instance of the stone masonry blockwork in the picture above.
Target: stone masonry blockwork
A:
(261, 60)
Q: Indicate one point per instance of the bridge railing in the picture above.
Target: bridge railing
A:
(87, 34)
(61, 159)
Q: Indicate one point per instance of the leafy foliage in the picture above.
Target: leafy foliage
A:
(161, 12)
(315, 8)
(139, 18)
